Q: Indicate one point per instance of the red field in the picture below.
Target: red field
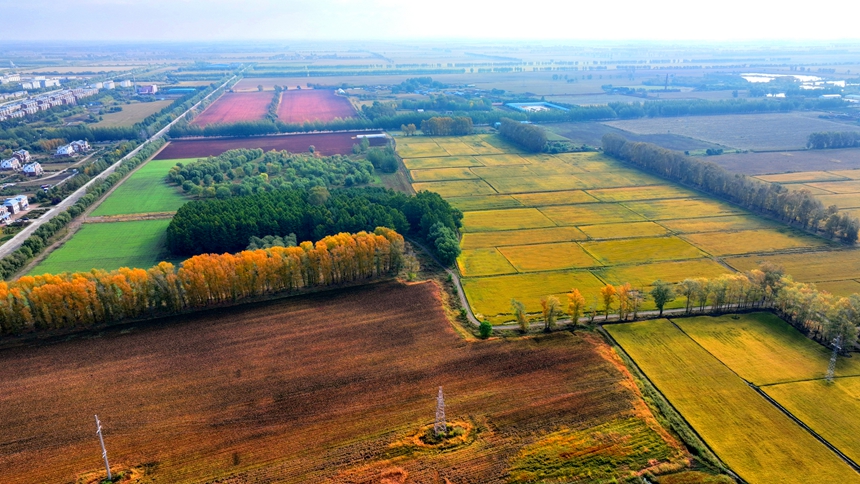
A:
(233, 107)
(319, 388)
(325, 143)
(308, 105)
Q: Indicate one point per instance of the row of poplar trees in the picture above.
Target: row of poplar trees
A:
(83, 299)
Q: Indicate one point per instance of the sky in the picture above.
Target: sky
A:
(212, 20)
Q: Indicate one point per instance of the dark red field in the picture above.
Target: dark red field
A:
(325, 144)
(233, 107)
(307, 389)
(303, 105)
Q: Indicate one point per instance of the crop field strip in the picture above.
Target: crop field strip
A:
(766, 351)
(753, 437)
(198, 380)
(637, 233)
(145, 191)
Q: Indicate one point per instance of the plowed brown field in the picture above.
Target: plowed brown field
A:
(308, 389)
(324, 143)
(303, 105)
(233, 107)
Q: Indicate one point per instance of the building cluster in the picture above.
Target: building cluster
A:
(8, 78)
(73, 148)
(11, 206)
(21, 161)
(43, 102)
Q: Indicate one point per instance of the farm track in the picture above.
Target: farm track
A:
(15, 242)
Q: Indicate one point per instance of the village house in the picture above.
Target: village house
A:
(33, 169)
(16, 204)
(11, 164)
(23, 156)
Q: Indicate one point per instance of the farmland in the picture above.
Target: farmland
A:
(789, 161)
(132, 113)
(777, 131)
(749, 434)
(325, 144)
(233, 107)
(538, 219)
(214, 385)
(298, 106)
(109, 246)
(145, 191)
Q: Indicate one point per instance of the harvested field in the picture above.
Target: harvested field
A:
(145, 191)
(131, 114)
(623, 230)
(548, 257)
(802, 177)
(847, 186)
(325, 144)
(591, 214)
(790, 161)
(753, 241)
(750, 435)
(110, 246)
(473, 240)
(298, 106)
(642, 250)
(592, 133)
(770, 131)
(483, 262)
(214, 386)
(509, 219)
(842, 201)
(233, 107)
(491, 296)
(682, 209)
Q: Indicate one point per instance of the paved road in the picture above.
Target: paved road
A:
(15, 242)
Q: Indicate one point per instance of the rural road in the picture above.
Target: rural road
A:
(15, 242)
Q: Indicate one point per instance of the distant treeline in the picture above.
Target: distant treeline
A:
(341, 72)
(37, 242)
(86, 299)
(227, 225)
(447, 126)
(833, 139)
(792, 206)
(528, 136)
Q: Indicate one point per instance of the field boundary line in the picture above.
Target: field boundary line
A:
(773, 402)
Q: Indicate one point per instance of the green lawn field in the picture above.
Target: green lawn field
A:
(109, 246)
(145, 191)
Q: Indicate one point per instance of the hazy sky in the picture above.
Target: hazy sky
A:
(416, 20)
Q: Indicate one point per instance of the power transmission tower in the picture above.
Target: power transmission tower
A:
(104, 451)
(831, 369)
(440, 427)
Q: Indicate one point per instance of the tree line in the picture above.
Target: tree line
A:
(86, 299)
(528, 136)
(819, 314)
(227, 225)
(833, 139)
(246, 171)
(795, 207)
(447, 126)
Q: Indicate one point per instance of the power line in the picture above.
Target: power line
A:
(104, 451)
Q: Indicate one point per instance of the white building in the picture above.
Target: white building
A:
(16, 204)
(22, 155)
(51, 83)
(11, 164)
(65, 150)
(33, 169)
(109, 85)
(125, 83)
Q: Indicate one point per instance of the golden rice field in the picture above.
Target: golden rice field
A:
(563, 220)
(834, 187)
(749, 434)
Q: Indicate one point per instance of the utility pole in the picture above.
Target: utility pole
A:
(831, 369)
(104, 451)
(440, 427)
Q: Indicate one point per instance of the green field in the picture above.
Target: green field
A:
(749, 434)
(539, 211)
(109, 246)
(145, 191)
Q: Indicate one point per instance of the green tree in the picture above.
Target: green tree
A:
(485, 329)
(520, 313)
(662, 293)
